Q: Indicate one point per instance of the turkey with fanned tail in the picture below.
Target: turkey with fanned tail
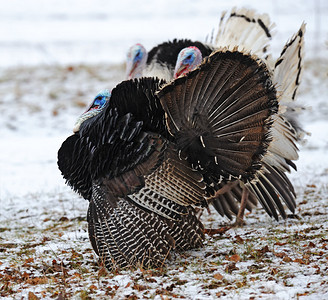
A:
(245, 29)
(273, 186)
(147, 153)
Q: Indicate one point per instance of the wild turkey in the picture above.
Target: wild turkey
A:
(161, 60)
(188, 59)
(245, 29)
(282, 151)
(149, 153)
(136, 61)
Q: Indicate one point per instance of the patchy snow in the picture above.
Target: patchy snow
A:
(54, 58)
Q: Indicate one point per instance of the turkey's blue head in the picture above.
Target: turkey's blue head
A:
(94, 109)
(136, 61)
(188, 59)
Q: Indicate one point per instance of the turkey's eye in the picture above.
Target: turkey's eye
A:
(101, 101)
(139, 55)
(189, 56)
(98, 102)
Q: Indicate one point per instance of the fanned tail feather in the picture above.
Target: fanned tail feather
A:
(227, 204)
(288, 67)
(288, 70)
(283, 149)
(245, 29)
(220, 114)
(271, 188)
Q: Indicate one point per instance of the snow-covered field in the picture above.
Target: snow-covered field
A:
(54, 57)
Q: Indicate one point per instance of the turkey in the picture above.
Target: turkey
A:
(282, 151)
(245, 29)
(136, 61)
(188, 59)
(161, 60)
(146, 153)
(242, 28)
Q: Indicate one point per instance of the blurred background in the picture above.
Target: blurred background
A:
(98, 31)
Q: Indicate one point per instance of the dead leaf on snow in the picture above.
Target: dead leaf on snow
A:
(287, 259)
(212, 231)
(235, 258)
(273, 271)
(311, 245)
(32, 296)
(218, 276)
(299, 260)
(265, 249)
(280, 254)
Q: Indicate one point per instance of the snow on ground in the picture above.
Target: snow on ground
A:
(54, 59)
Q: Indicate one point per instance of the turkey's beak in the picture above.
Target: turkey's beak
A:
(134, 66)
(180, 71)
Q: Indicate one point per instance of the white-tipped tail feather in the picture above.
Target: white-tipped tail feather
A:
(245, 29)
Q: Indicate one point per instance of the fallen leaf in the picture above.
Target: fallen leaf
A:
(300, 261)
(139, 287)
(263, 250)
(235, 258)
(311, 185)
(32, 296)
(218, 276)
(287, 259)
(239, 240)
(311, 245)
(280, 254)
(280, 244)
(28, 261)
(212, 231)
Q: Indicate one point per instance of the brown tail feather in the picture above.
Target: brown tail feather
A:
(226, 103)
